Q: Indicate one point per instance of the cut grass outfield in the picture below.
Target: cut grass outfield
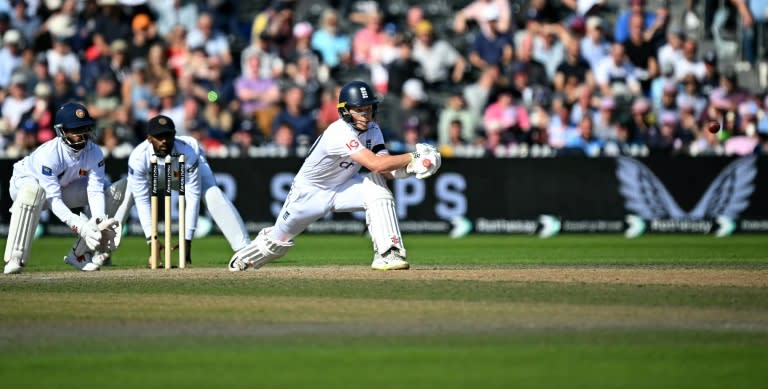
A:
(490, 311)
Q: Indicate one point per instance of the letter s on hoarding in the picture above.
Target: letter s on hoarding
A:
(279, 187)
(408, 192)
(449, 193)
(451, 200)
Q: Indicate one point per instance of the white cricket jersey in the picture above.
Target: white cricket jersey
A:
(328, 163)
(140, 176)
(55, 165)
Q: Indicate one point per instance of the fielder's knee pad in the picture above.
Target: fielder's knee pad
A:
(119, 203)
(380, 215)
(80, 249)
(25, 214)
(115, 196)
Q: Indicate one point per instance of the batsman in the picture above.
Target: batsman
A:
(65, 173)
(329, 180)
(200, 185)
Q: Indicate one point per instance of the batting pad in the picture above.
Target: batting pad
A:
(25, 213)
(380, 215)
(227, 218)
(263, 249)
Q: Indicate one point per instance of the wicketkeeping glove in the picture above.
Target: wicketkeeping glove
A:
(88, 230)
(109, 229)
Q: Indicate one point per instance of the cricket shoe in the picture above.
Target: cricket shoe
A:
(82, 262)
(14, 266)
(238, 262)
(391, 260)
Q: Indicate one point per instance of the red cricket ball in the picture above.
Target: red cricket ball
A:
(713, 127)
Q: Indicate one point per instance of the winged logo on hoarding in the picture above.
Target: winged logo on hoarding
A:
(727, 196)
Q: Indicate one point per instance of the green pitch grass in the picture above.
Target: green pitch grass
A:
(576, 311)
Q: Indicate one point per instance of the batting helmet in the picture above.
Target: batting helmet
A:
(73, 116)
(355, 94)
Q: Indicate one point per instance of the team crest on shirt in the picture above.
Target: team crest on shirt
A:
(82, 173)
(101, 163)
(79, 113)
(47, 171)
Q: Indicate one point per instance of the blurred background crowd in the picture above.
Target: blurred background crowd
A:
(477, 78)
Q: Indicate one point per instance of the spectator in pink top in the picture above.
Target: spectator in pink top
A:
(506, 116)
(368, 38)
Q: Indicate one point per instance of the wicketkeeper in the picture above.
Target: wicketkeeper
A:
(330, 181)
(200, 182)
(64, 173)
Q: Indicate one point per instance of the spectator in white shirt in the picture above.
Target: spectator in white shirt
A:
(616, 75)
(10, 56)
(672, 51)
(62, 59)
(689, 63)
(594, 46)
(214, 41)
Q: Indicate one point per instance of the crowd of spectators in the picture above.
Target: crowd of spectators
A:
(569, 77)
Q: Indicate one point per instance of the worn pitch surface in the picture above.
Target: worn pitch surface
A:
(230, 310)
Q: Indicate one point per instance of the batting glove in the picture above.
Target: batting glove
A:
(426, 161)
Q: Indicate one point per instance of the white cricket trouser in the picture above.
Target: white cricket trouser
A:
(74, 195)
(307, 203)
(223, 212)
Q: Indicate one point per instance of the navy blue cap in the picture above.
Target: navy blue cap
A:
(160, 124)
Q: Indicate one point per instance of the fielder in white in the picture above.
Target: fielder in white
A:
(330, 181)
(161, 141)
(64, 173)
